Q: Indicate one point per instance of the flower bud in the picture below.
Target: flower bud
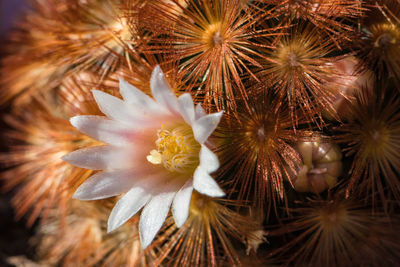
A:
(321, 165)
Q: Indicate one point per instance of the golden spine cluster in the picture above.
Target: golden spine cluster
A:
(308, 143)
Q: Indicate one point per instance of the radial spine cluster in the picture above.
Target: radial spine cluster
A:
(203, 132)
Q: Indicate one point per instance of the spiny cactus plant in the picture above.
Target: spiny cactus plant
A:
(205, 132)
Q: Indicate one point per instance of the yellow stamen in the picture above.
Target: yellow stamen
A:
(176, 149)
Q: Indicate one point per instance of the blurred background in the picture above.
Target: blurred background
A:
(14, 236)
(10, 10)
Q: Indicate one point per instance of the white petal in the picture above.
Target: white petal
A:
(205, 184)
(200, 112)
(186, 108)
(162, 91)
(130, 203)
(114, 107)
(181, 204)
(100, 158)
(134, 96)
(153, 216)
(106, 184)
(103, 129)
(203, 127)
(208, 160)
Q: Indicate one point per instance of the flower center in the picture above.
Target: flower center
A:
(176, 149)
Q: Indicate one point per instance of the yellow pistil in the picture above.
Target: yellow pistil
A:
(176, 149)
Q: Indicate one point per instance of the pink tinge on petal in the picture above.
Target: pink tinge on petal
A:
(135, 97)
(124, 112)
(113, 107)
(107, 184)
(109, 157)
(112, 132)
(95, 158)
(162, 91)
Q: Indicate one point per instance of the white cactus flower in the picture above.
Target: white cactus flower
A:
(155, 155)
